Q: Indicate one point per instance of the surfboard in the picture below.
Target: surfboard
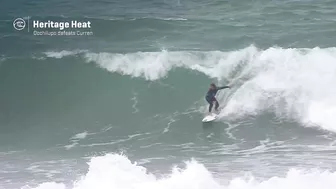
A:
(209, 118)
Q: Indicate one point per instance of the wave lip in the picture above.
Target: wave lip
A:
(151, 66)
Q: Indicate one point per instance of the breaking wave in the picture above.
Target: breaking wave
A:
(292, 83)
(117, 171)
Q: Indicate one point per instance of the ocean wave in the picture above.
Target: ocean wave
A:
(292, 83)
(117, 171)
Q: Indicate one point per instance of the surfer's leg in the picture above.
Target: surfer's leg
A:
(210, 107)
(210, 103)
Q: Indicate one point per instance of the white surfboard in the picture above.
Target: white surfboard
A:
(210, 117)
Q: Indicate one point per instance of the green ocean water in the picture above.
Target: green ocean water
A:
(79, 111)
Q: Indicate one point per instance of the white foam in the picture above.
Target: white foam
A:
(294, 83)
(135, 102)
(80, 135)
(47, 185)
(149, 65)
(61, 54)
(75, 139)
(69, 146)
(117, 171)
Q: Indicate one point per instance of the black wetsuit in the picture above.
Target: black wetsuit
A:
(211, 96)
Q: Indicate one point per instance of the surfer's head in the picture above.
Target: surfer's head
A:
(212, 85)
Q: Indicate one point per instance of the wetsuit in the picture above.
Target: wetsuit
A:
(211, 97)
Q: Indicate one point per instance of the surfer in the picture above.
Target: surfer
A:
(211, 96)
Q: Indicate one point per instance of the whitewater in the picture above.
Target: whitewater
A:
(116, 171)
